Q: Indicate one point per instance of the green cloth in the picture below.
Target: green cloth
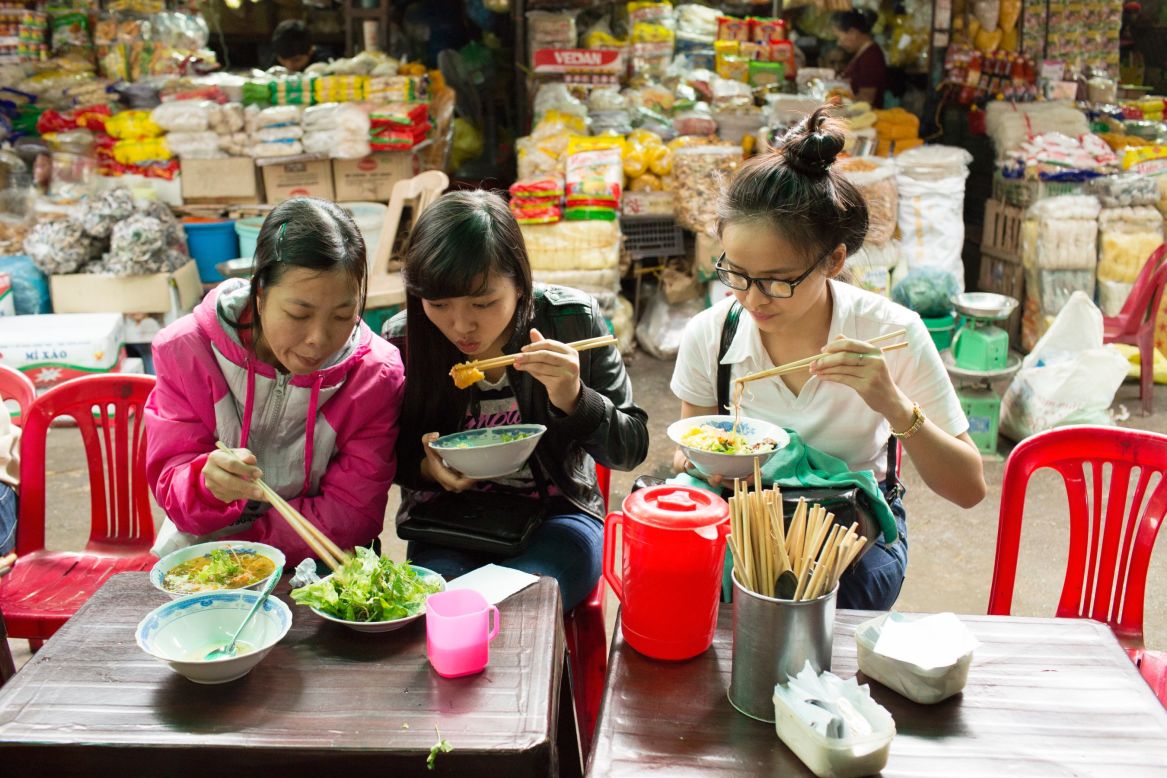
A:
(798, 465)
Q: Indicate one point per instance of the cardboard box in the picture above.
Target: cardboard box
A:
(230, 180)
(156, 293)
(372, 177)
(53, 348)
(308, 175)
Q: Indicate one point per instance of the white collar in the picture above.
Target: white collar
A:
(747, 341)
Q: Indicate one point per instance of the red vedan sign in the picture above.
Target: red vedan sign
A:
(608, 61)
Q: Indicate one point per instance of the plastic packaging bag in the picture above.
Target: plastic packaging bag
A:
(183, 115)
(1069, 377)
(875, 179)
(927, 290)
(698, 173)
(661, 324)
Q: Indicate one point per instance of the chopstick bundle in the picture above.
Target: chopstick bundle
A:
(322, 546)
(813, 550)
(802, 364)
(509, 359)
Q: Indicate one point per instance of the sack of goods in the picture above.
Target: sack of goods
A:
(930, 181)
(340, 130)
(398, 126)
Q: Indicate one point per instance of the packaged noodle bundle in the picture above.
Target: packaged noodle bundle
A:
(397, 89)
(400, 113)
(544, 188)
(595, 176)
(340, 89)
(291, 90)
(183, 115)
(129, 125)
(141, 150)
(546, 214)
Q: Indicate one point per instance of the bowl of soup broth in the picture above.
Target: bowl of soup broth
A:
(489, 452)
(182, 632)
(210, 567)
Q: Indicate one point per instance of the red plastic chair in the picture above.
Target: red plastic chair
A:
(587, 648)
(1106, 570)
(16, 386)
(1135, 323)
(46, 587)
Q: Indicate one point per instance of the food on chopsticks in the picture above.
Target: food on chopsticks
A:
(369, 588)
(803, 562)
(708, 437)
(220, 569)
(466, 374)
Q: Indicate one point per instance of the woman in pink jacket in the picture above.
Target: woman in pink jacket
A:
(284, 370)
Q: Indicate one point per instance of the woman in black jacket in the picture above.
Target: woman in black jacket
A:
(469, 296)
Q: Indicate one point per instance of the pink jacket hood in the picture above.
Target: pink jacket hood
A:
(301, 428)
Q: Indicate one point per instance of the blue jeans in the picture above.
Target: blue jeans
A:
(7, 519)
(567, 547)
(874, 582)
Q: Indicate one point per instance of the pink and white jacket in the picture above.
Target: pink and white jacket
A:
(324, 441)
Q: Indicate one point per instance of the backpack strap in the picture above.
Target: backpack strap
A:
(728, 330)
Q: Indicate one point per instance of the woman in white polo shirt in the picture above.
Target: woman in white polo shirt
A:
(787, 223)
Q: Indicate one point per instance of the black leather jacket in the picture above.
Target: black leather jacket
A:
(606, 426)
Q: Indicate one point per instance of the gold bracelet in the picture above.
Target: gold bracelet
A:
(918, 420)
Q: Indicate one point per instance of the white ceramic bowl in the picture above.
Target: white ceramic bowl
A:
(384, 626)
(486, 453)
(163, 565)
(728, 465)
(183, 631)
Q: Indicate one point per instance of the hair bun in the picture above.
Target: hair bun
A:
(812, 146)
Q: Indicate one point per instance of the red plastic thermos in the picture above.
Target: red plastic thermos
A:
(673, 551)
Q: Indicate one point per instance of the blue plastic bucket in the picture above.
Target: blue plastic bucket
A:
(211, 242)
(248, 232)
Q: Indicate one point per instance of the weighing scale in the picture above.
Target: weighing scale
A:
(978, 357)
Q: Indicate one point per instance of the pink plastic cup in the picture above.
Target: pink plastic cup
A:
(458, 632)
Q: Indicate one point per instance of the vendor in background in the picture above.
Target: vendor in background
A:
(292, 47)
(867, 70)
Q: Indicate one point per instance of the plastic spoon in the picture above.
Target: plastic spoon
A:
(229, 650)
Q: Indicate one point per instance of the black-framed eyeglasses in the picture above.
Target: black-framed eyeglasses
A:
(771, 287)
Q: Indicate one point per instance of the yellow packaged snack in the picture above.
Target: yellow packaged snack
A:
(592, 143)
(660, 160)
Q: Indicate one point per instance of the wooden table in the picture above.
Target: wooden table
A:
(1045, 697)
(325, 699)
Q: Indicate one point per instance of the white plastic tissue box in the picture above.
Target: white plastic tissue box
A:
(923, 657)
(812, 729)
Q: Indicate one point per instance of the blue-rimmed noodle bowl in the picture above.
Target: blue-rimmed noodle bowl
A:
(490, 452)
(183, 631)
(711, 463)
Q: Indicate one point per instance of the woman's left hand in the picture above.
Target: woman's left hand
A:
(556, 366)
(861, 366)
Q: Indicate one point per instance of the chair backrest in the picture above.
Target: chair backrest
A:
(423, 188)
(1147, 291)
(108, 410)
(1109, 551)
(16, 386)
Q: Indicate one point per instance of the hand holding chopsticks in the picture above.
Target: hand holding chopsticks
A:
(803, 364)
(328, 552)
(465, 374)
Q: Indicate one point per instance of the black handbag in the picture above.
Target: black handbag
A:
(492, 523)
(849, 504)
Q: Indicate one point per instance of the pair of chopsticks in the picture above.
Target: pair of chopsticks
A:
(579, 345)
(802, 364)
(328, 552)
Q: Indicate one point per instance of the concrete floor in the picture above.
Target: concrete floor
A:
(952, 549)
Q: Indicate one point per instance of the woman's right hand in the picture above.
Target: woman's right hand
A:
(232, 478)
(434, 469)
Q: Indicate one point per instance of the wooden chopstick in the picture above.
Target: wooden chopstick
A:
(328, 552)
(579, 345)
(800, 364)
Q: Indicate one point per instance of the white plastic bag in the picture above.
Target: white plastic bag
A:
(1070, 377)
(661, 325)
(931, 221)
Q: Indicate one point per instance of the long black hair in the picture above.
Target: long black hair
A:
(458, 243)
(794, 191)
(309, 233)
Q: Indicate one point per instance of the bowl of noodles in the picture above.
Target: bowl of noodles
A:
(489, 452)
(715, 448)
(210, 567)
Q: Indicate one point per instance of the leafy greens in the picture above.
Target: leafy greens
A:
(369, 588)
